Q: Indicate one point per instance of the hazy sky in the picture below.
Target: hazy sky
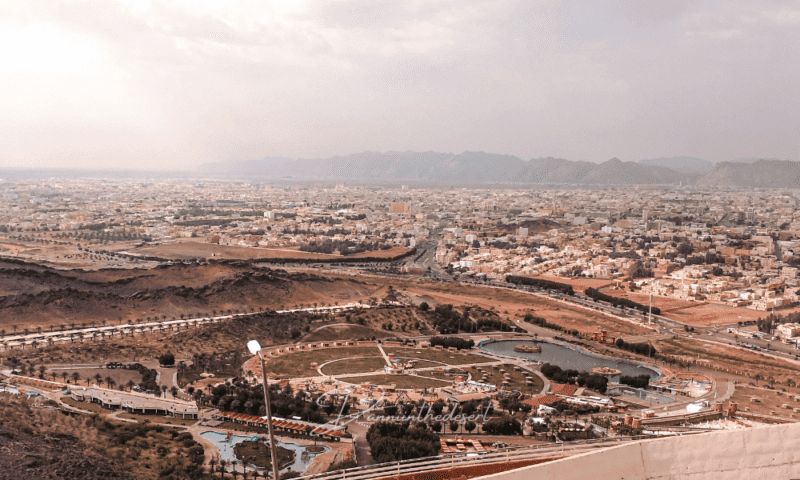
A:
(134, 84)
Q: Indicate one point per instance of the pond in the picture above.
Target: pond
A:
(568, 357)
(301, 460)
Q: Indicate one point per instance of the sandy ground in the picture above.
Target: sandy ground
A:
(739, 361)
(578, 284)
(517, 306)
(193, 248)
(699, 314)
(764, 401)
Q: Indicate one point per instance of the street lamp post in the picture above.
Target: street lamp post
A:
(255, 349)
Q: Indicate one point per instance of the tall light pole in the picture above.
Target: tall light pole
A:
(255, 349)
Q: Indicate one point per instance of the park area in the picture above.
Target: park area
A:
(399, 381)
(298, 364)
(434, 355)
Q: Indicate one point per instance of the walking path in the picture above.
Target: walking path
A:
(385, 357)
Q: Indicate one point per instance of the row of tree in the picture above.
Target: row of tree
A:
(618, 302)
(541, 283)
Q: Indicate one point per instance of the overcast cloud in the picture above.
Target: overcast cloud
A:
(132, 84)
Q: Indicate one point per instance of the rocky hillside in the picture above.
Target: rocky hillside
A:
(40, 296)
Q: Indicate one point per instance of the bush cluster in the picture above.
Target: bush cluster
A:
(598, 383)
(640, 348)
(390, 442)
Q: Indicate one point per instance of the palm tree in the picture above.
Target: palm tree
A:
(76, 376)
(212, 463)
(130, 385)
(98, 378)
(64, 376)
(110, 382)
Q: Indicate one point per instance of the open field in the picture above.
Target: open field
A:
(578, 284)
(298, 364)
(187, 249)
(764, 401)
(518, 304)
(666, 304)
(699, 314)
(515, 304)
(737, 360)
(399, 381)
(89, 407)
(354, 365)
(119, 375)
(157, 419)
(450, 358)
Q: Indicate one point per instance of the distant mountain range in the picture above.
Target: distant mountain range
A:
(487, 168)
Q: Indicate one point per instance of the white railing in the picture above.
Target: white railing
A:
(505, 455)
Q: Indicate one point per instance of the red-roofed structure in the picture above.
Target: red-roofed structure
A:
(539, 400)
(298, 427)
(564, 389)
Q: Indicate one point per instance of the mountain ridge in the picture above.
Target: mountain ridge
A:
(486, 168)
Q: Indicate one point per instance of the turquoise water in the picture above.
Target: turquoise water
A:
(568, 357)
(301, 462)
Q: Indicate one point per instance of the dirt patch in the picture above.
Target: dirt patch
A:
(119, 376)
(399, 381)
(184, 250)
(298, 364)
(355, 365)
(518, 304)
(765, 401)
(721, 357)
(578, 284)
(344, 332)
(443, 356)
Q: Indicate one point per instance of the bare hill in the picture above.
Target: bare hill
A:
(31, 295)
(762, 174)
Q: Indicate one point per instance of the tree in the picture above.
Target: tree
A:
(75, 377)
(424, 306)
(469, 426)
(110, 382)
(454, 425)
(167, 359)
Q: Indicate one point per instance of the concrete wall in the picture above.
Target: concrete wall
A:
(761, 453)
